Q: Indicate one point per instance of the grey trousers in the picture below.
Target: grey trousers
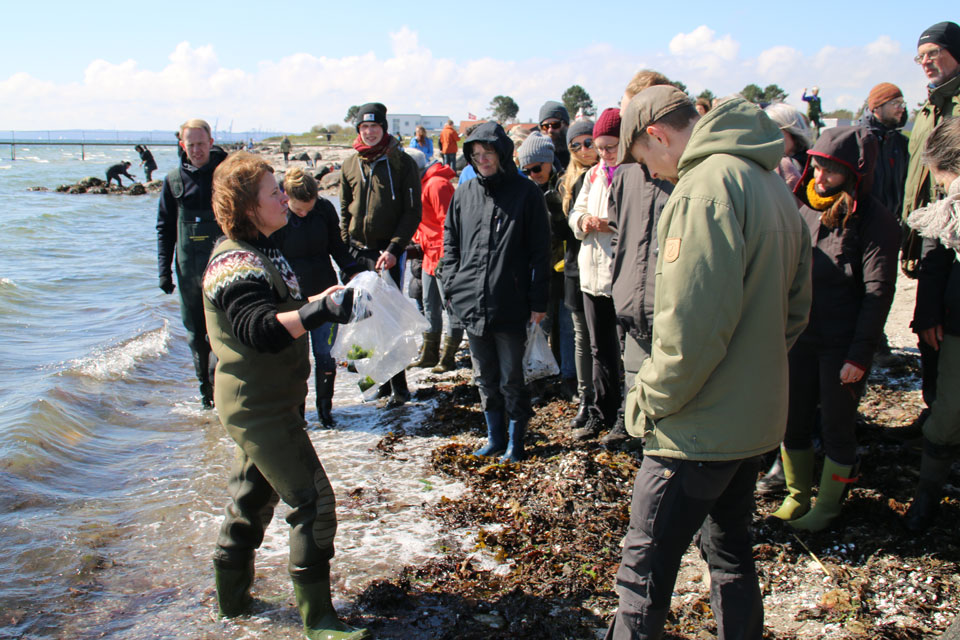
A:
(673, 500)
(498, 369)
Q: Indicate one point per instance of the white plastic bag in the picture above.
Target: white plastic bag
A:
(380, 338)
(538, 360)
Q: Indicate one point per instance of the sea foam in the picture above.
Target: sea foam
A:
(115, 362)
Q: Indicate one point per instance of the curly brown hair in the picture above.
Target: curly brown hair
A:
(236, 191)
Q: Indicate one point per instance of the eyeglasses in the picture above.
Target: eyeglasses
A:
(610, 148)
(534, 169)
(546, 126)
(931, 55)
(587, 144)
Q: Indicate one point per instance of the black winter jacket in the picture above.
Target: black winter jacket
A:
(308, 243)
(197, 194)
(636, 201)
(854, 268)
(496, 267)
(890, 174)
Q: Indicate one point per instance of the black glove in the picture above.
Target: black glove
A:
(166, 283)
(313, 314)
(414, 251)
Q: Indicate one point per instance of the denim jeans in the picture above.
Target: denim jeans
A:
(321, 342)
(433, 306)
(673, 500)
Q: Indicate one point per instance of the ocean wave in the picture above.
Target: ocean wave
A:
(6, 166)
(8, 282)
(115, 362)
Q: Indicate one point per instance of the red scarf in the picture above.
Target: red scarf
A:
(372, 153)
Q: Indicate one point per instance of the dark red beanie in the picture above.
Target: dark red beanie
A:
(608, 124)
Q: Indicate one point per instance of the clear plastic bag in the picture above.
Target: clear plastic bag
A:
(380, 338)
(538, 360)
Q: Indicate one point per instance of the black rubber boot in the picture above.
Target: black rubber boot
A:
(325, 380)
(201, 363)
(593, 426)
(399, 394)
(935, 464)
(583, 411)
(233, 588)
(448, 359)
(429, 352)
(320, 620)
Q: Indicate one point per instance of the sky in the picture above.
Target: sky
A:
(289, 66)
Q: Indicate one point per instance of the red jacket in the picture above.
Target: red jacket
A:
(448, 139)
(437, 192)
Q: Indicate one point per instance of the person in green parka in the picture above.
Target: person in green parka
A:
(257, 321)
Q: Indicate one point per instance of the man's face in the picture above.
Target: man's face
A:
(889, 113)
(485, 158)
(938, 65)
(371, 133)
(196, 142)
(825, 182)
(539, 172)
(556, 129)
(657, 157)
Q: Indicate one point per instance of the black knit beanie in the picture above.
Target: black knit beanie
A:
(372, 112)
(943, 34)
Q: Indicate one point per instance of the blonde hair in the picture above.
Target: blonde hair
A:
(300, 185)
(575, 169)
(236, 194)
(195, 123)
(644, 79)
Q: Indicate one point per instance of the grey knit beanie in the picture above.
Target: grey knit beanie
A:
(554, 109)
(579, 128)
(536, 148)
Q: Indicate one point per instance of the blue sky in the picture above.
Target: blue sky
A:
(297, 64)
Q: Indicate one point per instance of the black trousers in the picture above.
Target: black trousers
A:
(604, 329)
(498, 370)
(673, 499)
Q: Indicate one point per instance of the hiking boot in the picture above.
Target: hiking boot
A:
(617, 434)
(592, 428)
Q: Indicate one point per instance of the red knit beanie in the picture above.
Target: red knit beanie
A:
(608, 124)
(882, 94)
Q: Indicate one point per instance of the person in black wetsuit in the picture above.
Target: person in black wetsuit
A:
(117, 170)
(146, 161)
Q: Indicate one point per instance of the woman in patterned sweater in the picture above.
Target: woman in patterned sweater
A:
(257, 323)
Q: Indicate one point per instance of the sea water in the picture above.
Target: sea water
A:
(112, 476)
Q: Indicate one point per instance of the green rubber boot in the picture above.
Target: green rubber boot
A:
(233, 589)
(834, 483)
(798, 473)
(429, 352)
(320, 621)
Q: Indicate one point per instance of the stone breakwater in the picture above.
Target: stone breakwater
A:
(93, 184)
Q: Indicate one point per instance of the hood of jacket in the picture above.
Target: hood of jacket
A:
(493, 134)
(856, 148)
(437, 170)
(879, 129)
(736, 128)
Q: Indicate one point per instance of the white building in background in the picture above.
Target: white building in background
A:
(406, 123)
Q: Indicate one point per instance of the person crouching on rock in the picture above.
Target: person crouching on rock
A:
(257, 322)
(117, 170)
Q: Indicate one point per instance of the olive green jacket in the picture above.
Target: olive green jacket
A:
(943, 101)
(380, 204)
(732, 296)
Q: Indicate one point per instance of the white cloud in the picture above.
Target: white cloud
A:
(297, 91)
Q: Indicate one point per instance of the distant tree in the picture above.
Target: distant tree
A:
(576, 98)
(773, 93)
(706, 94)
(318, 128)
(842, 114)
(335, 128)
(680, 85)
(352, 114)
(503, 108)
(753, 93)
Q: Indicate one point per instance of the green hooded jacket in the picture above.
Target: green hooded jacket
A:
(943, 102)
(732, 296)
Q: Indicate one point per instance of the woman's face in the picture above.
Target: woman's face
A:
(578, 147)
(607, 148)
(301, 208)
(271, 213)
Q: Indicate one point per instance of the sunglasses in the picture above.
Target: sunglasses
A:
(534, 169)
(587, 144)
(546, 126)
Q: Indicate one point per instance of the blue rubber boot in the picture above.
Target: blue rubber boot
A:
(515, 453)
(496, 434)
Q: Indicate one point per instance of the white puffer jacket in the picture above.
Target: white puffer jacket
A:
(596, 254)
